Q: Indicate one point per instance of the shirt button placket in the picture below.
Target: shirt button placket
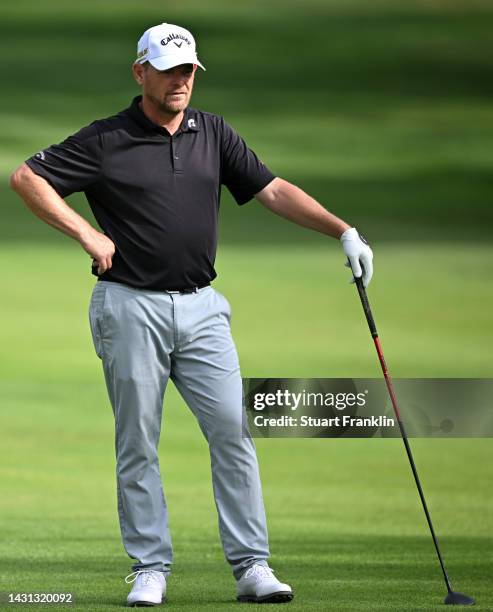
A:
(175, 158)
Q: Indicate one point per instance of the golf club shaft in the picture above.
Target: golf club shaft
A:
(393, 398)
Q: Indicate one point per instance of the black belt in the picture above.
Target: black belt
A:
(187, 290)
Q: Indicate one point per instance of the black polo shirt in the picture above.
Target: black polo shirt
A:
(156, 195)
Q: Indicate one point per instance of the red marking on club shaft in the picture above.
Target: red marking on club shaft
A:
(386, 375)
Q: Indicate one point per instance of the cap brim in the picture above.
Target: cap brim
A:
(170, 61)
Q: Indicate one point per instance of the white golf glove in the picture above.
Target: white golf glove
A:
(359, 254)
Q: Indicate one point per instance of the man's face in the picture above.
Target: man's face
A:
(169, 90)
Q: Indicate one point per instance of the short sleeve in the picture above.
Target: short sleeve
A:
(242, 171)
(73, 165)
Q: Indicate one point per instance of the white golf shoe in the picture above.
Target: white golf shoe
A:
(259, 584)
(149, 588)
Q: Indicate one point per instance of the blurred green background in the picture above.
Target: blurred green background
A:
(381, 110)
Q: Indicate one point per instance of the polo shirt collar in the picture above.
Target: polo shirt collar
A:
(189, 124)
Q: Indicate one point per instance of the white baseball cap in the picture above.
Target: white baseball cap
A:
(167, 45)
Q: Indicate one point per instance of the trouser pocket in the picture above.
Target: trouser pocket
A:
(96, 312)
(225, 305)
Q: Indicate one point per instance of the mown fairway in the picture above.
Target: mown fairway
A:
(383, 112)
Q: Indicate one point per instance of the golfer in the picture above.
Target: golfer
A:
(152, 175)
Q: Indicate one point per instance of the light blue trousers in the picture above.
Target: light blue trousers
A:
(144, 338)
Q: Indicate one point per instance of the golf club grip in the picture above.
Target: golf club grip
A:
(366, 306)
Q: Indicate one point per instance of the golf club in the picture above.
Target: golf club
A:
(452, 598)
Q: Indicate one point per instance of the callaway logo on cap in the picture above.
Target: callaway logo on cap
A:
(167, 45)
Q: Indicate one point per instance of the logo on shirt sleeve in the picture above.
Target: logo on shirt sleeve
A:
(40, 155)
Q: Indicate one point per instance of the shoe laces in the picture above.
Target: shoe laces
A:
(148, 576)
(259, 572)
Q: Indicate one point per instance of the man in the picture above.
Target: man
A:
(152, 176)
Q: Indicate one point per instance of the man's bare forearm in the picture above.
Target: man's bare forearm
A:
(294, 204)
(46, 204)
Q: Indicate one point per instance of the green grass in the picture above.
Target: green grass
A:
(382, 110)
(294, 312)
(346, 526)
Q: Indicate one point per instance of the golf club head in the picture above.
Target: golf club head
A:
(458, 599)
